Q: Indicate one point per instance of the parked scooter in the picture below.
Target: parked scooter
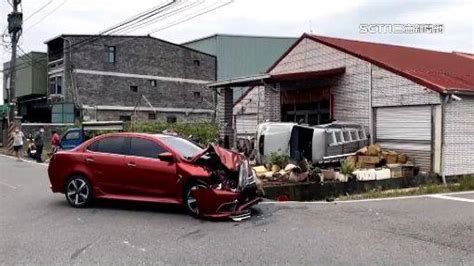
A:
(31, 147)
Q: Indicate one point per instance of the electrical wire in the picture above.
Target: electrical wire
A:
(105, 32)
(207, 9)
(46, 16)
(138, 17)
(202, 12)
(163, 16)
(37, 11)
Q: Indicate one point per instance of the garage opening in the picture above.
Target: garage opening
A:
(407, 129)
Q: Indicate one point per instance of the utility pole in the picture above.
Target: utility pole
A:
(15, 21)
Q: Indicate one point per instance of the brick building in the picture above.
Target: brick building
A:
(124, 77)
(416, 101)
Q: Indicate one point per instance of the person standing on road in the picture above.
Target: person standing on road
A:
(18, 137)
(39, 143)
(55, 142)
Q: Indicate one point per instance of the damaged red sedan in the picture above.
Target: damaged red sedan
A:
(210, 183)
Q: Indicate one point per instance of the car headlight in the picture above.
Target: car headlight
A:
(245, 174)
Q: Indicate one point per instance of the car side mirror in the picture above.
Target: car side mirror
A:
(167, 157)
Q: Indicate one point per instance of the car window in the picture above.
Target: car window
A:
(114, 145)
(184, 147)
(73, 135)
(145, 148)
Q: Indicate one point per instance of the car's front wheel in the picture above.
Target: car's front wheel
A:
(189, 199)
(78, 191)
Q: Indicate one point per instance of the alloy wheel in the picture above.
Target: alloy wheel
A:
(191, 201)
(77, 192)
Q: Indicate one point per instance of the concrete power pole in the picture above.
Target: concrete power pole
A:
(15, 21)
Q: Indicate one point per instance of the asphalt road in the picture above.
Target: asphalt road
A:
(39, 227)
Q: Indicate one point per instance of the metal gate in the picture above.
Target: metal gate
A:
(407, 129)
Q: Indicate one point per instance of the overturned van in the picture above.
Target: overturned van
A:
(319, 144)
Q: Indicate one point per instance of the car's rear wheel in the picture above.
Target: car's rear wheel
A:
(78, 191)
(189, 199)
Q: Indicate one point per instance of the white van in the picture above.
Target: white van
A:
(316, 143)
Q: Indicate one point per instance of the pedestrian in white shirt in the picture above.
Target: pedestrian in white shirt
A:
(18, 142)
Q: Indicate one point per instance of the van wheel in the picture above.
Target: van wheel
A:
(78, 191)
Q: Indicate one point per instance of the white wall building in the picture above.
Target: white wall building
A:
(416, 101)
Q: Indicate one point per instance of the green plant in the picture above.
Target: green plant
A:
(347, 166)
(465, 183)
(314, 172)
(203, 132)
(279, 158)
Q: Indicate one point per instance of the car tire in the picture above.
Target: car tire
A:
(190, 203)
(78, 191)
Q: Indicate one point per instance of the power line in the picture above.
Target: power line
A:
(139, 17)
(204, 11)
(105, 32)
(47, 15)
(162, 16)
(38, 10)
(34, 63)
(207, 9)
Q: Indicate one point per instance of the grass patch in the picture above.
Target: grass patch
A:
(464, 184)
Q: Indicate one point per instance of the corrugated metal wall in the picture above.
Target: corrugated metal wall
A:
(458, 150)
(406, 129)
(242, 55)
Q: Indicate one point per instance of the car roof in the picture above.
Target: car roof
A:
(137, 134)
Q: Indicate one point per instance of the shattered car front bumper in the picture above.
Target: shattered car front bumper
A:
(224, 204)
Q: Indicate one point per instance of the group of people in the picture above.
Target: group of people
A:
(38, 141)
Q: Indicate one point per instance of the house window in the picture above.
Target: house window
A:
(56, 85)
(133, 88)
(197, 62)
(197, 94)
(151, 116)
(125, 118)
(111, 54)
(171, 119)
(152, 82)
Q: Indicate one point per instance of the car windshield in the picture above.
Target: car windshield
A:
(184, 147)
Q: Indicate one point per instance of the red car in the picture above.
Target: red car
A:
(212, 182)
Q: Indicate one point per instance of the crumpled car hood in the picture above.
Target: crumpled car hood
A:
(231, 160)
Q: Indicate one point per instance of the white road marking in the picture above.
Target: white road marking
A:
(451, 198)
(24, 161)
(133, 246)
(369, 200)
(7, 185)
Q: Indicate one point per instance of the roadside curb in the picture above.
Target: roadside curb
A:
(23, 159)
(368, 200)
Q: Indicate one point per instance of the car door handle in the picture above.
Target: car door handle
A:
(89, 160)
(131, 164)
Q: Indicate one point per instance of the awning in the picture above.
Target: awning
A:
(262, 79)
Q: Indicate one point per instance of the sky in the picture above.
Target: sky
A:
(340, 18)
